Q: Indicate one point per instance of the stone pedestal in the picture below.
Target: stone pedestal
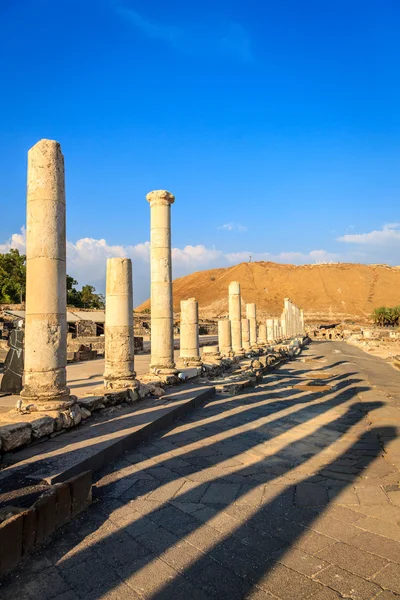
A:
(119, 371)
(251, 314)
(270, 330)
(235, 317)
(189, 355)
(45, 383)
(162, 326)
(225, 338)
(246, 334)
(211, 354)
(262, 335)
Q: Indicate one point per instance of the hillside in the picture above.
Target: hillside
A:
(330, 291)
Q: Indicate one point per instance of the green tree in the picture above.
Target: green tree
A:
(12, 277)
(85, 298)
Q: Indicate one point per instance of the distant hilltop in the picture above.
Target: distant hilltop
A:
(343, 291)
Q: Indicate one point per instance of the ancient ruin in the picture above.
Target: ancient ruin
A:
(119, 370)
(45, 384)
(162, 326)
(189, 355)
(235, 318)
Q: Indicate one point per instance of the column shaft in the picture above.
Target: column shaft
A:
(224, 337)
(45, 316)
(162, 326)
(119, 370)
(246, 334)
(270, 330)
(189, 334)
(235, 317)
(262, 335)
(251, 314)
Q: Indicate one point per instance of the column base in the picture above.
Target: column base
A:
(239, 353)
(120, 384)
(190, 361)
(49, 401)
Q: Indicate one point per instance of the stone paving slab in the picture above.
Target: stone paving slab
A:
(276, 493)
(98, 441)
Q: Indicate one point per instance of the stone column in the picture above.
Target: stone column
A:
(294, 320)
(262, 335)
(288, 317)
(119, 370)
(283, 326)
(162, 324)
(45, 383)
(235, 317)
(189, 355)
(302, 321)
(225, 337)
(251, 314)
(246, 334)
(270, 330)
(276, 330)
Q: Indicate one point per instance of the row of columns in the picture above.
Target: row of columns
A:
(237, 335)
(46, 325)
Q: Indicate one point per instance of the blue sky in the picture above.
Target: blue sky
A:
(275, 124)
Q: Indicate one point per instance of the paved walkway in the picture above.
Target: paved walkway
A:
(286, 492)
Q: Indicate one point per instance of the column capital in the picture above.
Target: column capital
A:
(161, 197)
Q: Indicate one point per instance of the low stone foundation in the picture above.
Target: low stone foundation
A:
(24, 529)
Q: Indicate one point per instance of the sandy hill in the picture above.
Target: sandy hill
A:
(339, 290)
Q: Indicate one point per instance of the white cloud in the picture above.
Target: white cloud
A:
(232, 227)
(16, 241)
(389, 235)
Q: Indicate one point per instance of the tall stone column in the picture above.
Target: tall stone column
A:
(246, 334)
(45, 383)
(270, 330)
(288, 317)
(276, 330)
(262, 335)
(189, 334)
(302, 321)
(119, 370)
(294, 319)
(162, 324)
(225, 337)
(283, 326)
(235, 317)
(251, 314)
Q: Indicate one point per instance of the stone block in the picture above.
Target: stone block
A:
(46, 515)
(15, 435)
(81, 492)
(10, 543)
(92, 403)
(42, 426)
(63, 503)
(29, 530)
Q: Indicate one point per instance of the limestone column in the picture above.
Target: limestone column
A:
(119, 370)
(288, 317)
(162, 325)
(294, 320)
(283, 325)
(302, 321)
(235, 318)
(224, 337)
(251, 314)
(276, 330)
(246, 334)
(270, 330)
(45, 382)
(189, 334)
(262, 335)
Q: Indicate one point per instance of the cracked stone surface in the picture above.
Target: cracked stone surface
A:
(276, 493)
